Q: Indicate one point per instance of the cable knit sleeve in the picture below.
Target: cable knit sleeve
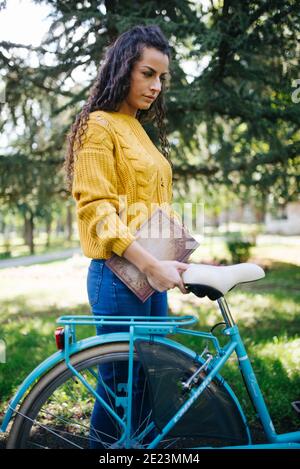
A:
(96, 193)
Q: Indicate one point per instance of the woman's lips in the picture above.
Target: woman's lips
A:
(149, 97)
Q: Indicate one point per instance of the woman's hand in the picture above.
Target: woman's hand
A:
(163, 275)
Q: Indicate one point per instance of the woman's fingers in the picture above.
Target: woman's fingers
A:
(155, 285)
(182, 288)
(170, 278)
(181, 285)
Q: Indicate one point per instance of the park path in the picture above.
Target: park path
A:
(36, 259)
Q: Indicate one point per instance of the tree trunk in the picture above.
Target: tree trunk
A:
(28, 231)
(260, 214)
(48, 231)
(31, 232)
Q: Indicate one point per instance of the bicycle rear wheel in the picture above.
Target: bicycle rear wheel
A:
(57, 411)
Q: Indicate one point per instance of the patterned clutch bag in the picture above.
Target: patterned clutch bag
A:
(163, 237)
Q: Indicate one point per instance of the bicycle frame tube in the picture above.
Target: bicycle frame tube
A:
(130, 375)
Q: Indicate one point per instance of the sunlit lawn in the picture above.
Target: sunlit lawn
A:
(267, 313)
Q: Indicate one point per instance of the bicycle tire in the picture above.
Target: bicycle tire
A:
(60, 374)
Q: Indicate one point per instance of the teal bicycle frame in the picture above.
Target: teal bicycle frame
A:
(144, 327)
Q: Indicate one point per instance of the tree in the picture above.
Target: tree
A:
(238, 104)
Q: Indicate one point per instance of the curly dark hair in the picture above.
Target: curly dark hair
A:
(113, 84)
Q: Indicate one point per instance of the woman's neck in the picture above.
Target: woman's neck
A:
(126, 109)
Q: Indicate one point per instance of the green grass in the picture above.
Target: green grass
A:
(267, 313)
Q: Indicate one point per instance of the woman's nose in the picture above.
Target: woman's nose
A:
(156, 85)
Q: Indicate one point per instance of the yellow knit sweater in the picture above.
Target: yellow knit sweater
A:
(120, 178)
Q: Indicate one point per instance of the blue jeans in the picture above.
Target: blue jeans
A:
(109, 296)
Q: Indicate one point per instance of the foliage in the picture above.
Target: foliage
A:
(234, 65)
(239, 247)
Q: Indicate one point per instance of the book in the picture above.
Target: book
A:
(162, 236)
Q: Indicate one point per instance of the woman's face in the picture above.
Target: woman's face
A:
(146, 80)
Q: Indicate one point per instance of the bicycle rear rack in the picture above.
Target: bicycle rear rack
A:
(161, 325)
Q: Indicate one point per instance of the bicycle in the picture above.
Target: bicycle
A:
(185, 402)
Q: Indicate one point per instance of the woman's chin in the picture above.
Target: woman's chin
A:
(145, 105)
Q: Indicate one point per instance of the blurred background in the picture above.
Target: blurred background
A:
(233, 119)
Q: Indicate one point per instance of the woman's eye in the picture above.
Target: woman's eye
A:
(150, 75)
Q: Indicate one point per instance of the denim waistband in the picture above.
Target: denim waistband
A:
(97, 264)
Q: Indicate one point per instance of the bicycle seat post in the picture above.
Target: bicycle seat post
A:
(224, 308)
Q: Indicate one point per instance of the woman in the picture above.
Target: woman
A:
(111, 159)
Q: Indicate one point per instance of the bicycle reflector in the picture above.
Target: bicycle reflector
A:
(60, 337)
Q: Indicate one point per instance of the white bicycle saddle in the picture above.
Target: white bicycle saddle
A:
(216, 281)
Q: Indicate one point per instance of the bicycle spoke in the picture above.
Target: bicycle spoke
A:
(55, 431)
(35, 422)
(78, 425)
